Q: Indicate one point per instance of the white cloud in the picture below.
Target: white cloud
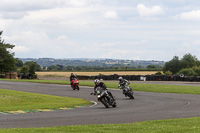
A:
(33, 44)
(148, 12)
(20, 49)
(100, 28)
(111, 14)
(192, 15)
(13, 15)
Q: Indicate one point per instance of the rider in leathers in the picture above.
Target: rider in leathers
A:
(72, 76)
(103, 86)
(123, 83)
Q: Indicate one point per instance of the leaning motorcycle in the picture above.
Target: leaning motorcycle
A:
(104, 97)
(75, 84)
(128, 91)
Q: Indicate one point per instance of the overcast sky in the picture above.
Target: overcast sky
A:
(117, 29)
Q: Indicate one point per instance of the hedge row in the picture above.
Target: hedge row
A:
(142, 77)
(27, 76)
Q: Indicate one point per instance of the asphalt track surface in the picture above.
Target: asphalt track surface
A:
(146, 106)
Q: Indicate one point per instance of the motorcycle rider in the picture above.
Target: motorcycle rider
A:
(123, 83)
(98, 83)
(72, 76)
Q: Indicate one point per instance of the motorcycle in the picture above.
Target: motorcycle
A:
(128, 91)
(104, 97)
(75, 84)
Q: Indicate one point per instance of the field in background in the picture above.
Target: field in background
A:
(67, 74)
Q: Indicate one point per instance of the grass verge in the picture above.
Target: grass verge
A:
(189, 125)
(136, 86)
(15, 100)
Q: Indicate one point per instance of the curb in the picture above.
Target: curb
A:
(38, 110)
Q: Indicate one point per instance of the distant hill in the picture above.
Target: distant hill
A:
(45, 62)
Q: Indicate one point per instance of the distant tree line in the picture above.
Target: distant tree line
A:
(58, 67)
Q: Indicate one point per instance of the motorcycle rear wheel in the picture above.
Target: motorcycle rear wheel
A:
(131, 96)
(104, 103)
(114, 105)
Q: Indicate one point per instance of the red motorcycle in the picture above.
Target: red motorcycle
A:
(75, 84)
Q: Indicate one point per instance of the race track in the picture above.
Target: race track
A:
(146, 106)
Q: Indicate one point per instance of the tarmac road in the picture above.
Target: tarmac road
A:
(146, 106)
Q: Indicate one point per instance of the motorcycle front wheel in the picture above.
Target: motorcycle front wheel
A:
(131, 96)
(77, 87)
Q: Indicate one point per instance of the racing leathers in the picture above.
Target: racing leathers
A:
(104, 87)
(71, 78)
(123, 84)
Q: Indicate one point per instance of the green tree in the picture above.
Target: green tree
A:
(19, 63)
(7, 61)
(32, 63)
(32, 67)
(24, 69)
(173, 65)
(189, 61)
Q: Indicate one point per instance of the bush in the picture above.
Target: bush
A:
(24, 69)
(168, 73)
(194, 71)
(159, 73)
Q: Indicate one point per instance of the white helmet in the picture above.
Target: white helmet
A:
(96, 81)
(120, 78)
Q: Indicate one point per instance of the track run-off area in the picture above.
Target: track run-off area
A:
(146, 106)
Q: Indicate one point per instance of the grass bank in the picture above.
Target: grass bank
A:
(136, 86)
(189, 125)
(15, 100)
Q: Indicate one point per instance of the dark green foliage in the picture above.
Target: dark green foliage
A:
(24, 69)
(173, 65)
(159, 73)
(168, 73)
(98, 68)
(194, 71)
(19, 63)
(30, 67)
(7, 61)
(185, 65)
(189, 61)
(33, 65)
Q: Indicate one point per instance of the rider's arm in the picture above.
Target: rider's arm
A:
(104, 86)
(127, 82)
(95, 90)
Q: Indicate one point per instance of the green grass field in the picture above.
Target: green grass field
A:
(189, 125)
(15, 100)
